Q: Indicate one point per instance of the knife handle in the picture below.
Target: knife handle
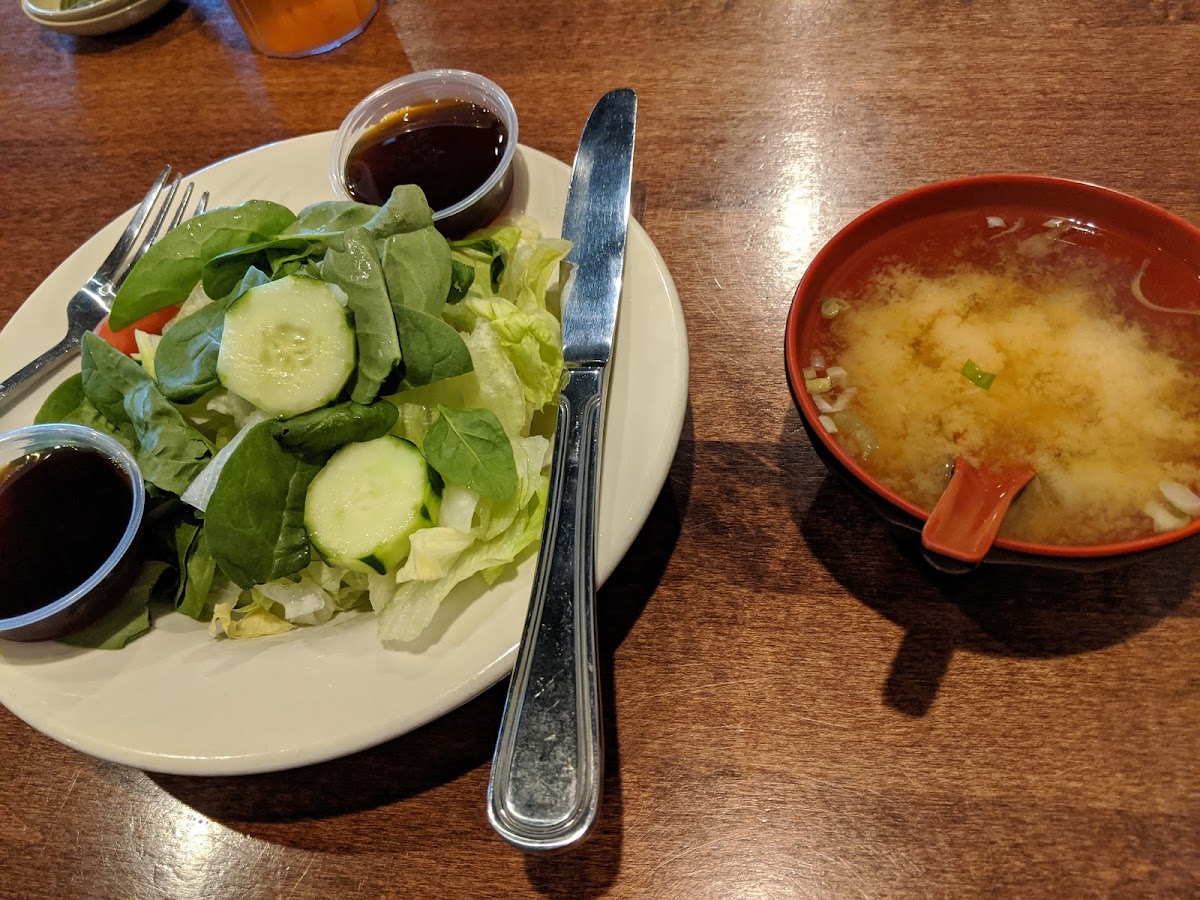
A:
(544, 790)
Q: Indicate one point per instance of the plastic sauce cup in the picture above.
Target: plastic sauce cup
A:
(484, 203)
(108, 583)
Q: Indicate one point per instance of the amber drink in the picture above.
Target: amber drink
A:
(292, 28)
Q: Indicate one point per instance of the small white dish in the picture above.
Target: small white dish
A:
(102, 17)
(54, 11)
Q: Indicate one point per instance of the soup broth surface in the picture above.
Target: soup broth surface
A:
(1100, 393)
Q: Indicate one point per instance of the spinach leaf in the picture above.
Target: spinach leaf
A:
(416, 265)
(488, 252)
(356, 271)
(68, 403)
(469, 447)
(201, 568)
(160, 523)
(431, 349)
(169, 451)
(172, 266)
(309, 268)
(185, 363)
(252, 279)
(221, 274)
(185, 536)
(405, 210)
(461, 277)
(63, 401)
(319, 433)
(254, 522)
(489, 249)
(328, 220)
(196, 570)
(129, 619)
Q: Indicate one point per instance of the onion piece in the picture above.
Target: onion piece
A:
(1181, 497)
(837, 375)
(147, 346)
(844, 398)
(1015, 226)
(1163, 518)
(1040, 244)
(831, 306)
(995, 222)
(809, 372)
(818, 385)
(818, 359)
(195, 301)
(851, 423)
(458, 507)
(828, 424)
(1136, 287)
(825, 405)
(301, 599)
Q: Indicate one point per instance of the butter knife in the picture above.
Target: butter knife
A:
(547, 773)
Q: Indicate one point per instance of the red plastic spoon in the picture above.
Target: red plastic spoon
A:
(964, 523)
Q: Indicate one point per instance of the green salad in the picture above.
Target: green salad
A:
(346, 412)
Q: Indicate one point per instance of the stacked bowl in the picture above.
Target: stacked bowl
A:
(90, 18)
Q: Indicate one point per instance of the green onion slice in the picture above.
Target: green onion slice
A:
(976, 375)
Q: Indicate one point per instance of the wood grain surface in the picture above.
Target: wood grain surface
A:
(796, 705)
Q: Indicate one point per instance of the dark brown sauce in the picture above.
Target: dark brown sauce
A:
(62, 513)
(448, 148)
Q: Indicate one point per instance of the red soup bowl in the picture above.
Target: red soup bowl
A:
(927, 229)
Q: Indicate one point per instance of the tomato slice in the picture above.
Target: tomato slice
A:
(124, 340)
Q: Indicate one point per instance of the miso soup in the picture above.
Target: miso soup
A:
(1017, 337)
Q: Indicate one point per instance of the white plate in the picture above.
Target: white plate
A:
(177, 701)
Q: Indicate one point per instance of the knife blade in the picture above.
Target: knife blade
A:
(547, 772)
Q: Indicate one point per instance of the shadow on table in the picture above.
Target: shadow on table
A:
(461, 741)
(1008, 611)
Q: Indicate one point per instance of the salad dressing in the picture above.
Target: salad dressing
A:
(449, 148)
(62, 513)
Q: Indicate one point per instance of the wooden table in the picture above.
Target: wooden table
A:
(795, 706)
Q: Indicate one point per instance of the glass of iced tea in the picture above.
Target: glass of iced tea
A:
(292, 28)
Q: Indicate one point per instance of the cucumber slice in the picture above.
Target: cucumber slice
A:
(364, 505)
(287, 346)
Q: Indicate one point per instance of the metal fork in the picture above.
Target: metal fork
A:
(94, 300)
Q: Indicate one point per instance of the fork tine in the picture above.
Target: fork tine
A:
(92, 301)
(153, 234)
(179, 213)
(118, 252)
